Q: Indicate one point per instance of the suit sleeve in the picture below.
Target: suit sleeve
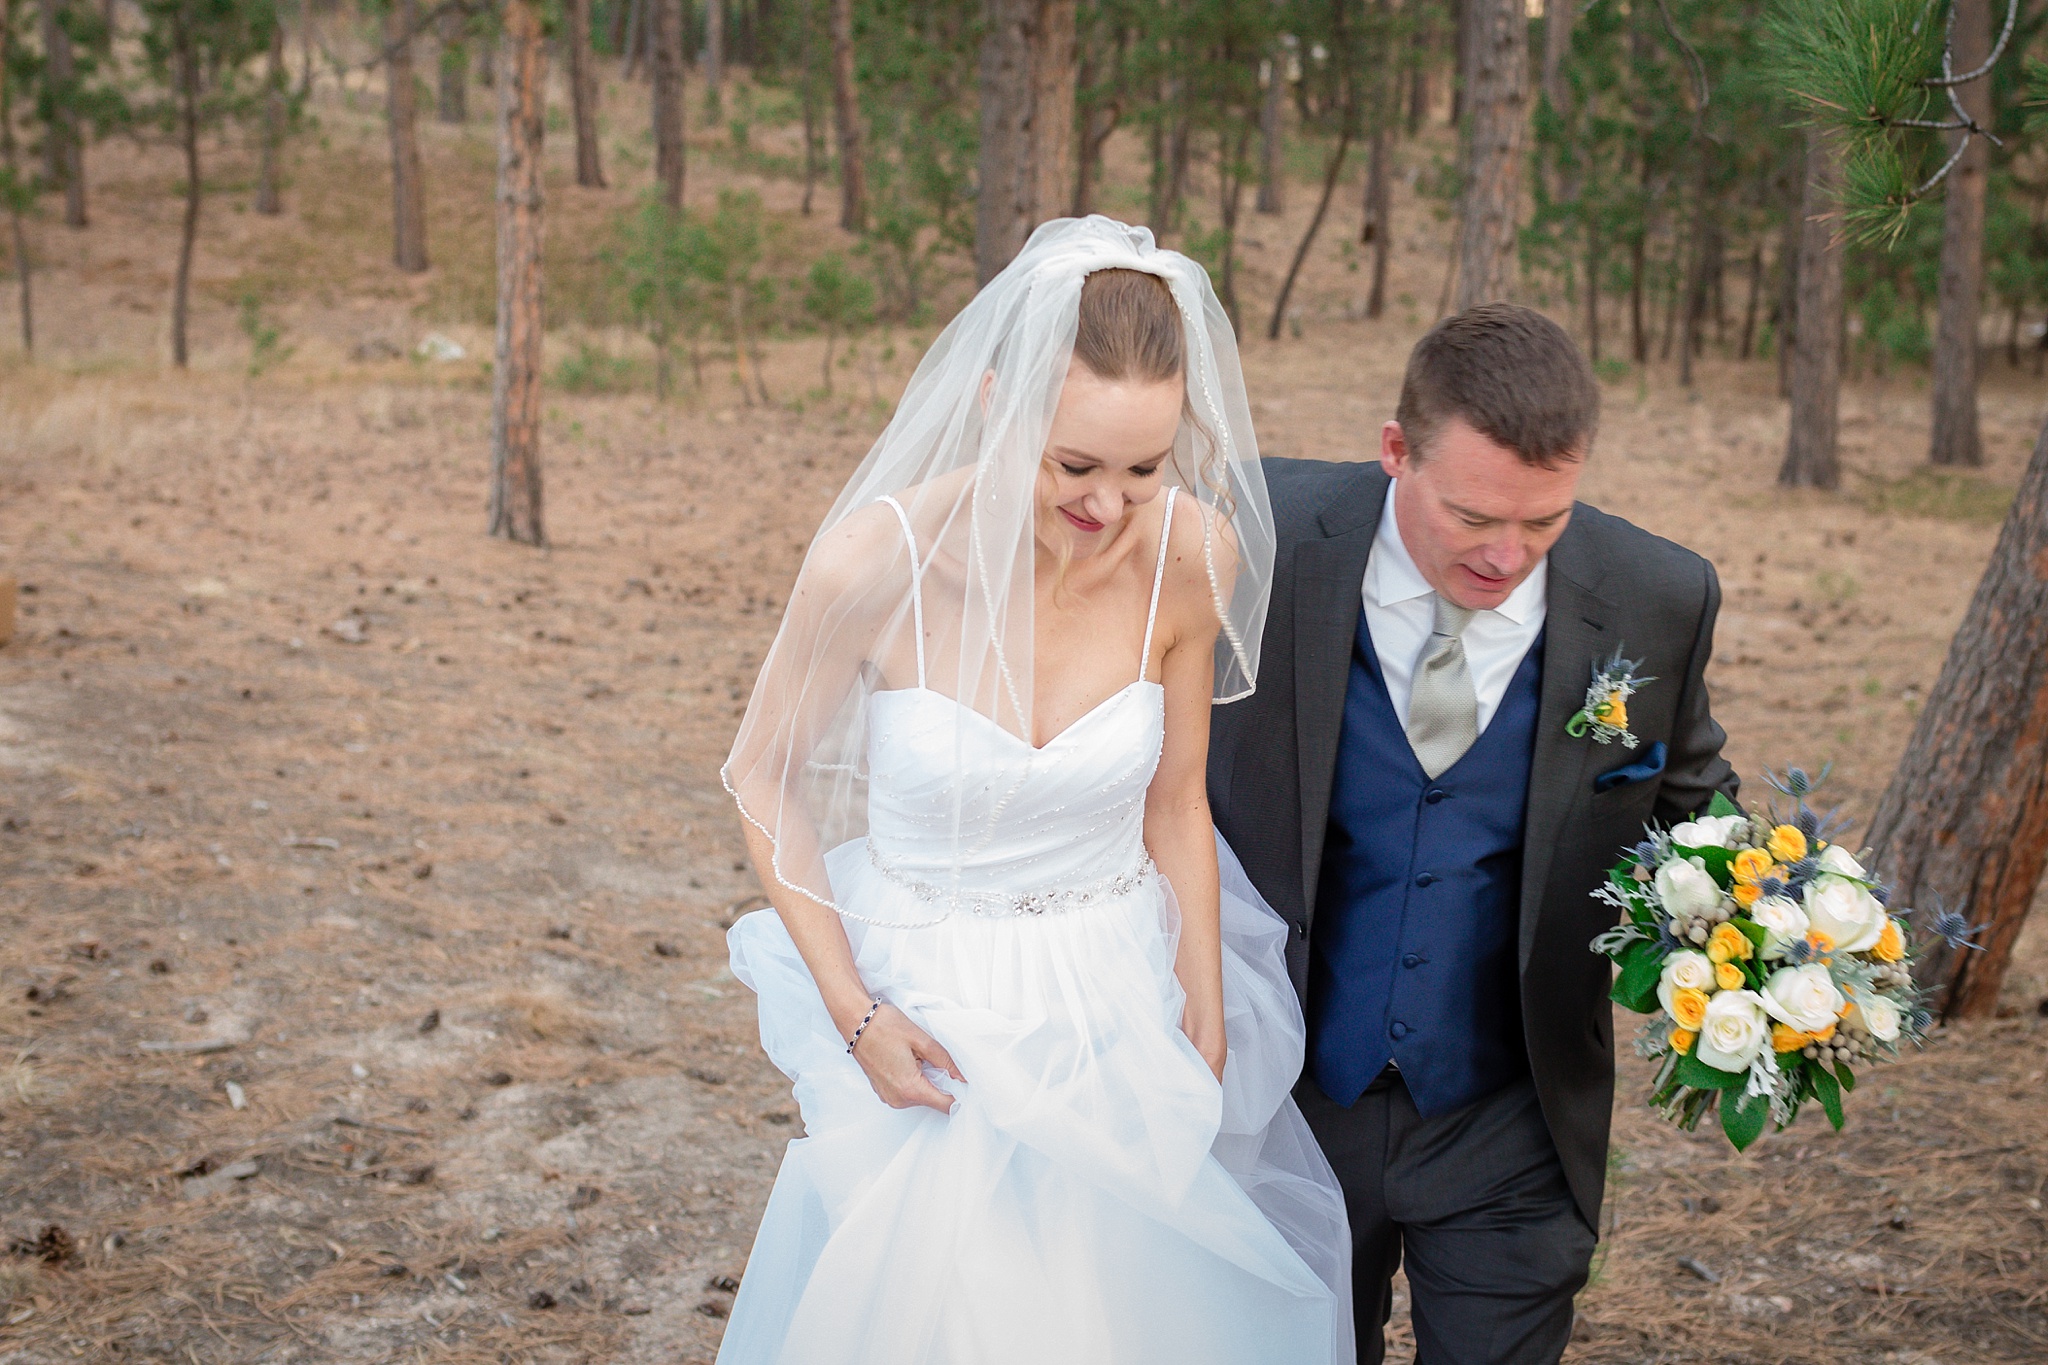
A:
(1695, 769)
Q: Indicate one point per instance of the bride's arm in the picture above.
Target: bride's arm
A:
(1178, 830)
(799, 691)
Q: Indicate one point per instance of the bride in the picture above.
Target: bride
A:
(1042, 1038)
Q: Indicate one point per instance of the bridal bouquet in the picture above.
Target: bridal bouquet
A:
(1767, 961)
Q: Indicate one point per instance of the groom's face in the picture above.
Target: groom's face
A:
(1476, 517)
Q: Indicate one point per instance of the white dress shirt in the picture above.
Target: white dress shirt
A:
(1400, 608)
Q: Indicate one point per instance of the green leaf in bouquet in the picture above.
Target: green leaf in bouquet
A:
(1752, 931)
(1636, 988)
(1722, 806)
(1828, 1092)
(1697, 1074)
(1743, 1118)
(1719, 863)
(1845, 1076)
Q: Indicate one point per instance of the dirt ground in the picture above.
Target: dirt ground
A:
(363, 879)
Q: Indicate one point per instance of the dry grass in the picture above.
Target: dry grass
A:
(500, 812)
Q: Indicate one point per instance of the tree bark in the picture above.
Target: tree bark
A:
(516, 505)
(1964, 822)
(1025, 164)
(1496, 100)
(1750, 309)
(714, 60)
(1811, 460)
(408, 179)
(1272, 173)
(187, 58)
(1557, 44)
(1379, 212)
(808, 88)
(583, 94)
(1593, 245)
(1956, 439)
(1421, 52)
(451, 103)
(268, 200)
(9, 157)
(853, 205)
(64, 145)
(668, 100)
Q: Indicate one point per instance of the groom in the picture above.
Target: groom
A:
(1407, 790)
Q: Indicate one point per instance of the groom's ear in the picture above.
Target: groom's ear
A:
(1395, 455)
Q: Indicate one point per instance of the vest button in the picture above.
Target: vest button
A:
(1436, 794)
(1426, 879)
(1398, 1029)
(1411, 961)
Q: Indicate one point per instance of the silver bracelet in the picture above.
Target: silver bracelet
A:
(874, 1008)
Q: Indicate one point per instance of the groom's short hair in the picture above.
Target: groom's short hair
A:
(1511, 374)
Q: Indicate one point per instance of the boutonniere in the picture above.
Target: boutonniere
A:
(1605, 714)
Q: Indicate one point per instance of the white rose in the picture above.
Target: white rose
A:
(1684, 970)
(1804, 997)
(1735, 1032)
(1834, 858)
(1846, 912)
(1782, 921)
(1687, 890)
(1880, 1015)
(1709, 831)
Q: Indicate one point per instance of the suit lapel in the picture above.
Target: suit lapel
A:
(1578, 631)
(1329, 578)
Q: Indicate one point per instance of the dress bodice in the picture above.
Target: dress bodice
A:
(964, 815)
(959, 803)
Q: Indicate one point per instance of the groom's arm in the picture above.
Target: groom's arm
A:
(1694, 768)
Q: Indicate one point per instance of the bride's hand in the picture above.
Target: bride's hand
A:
(893, 1052)
(1209, 1040)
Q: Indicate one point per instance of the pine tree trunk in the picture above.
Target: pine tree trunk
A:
(186, 56)
(1811, 460)
(1420, 54)
(1956, 439)
(408, 180)
(583, 94)
(64, 146)
(1331, 170)
(636, 39)
(1964, 822)
(853, 206)
(668, 99)
(1025, 166)
(516, 505)
(1379, 211)
(808, 89)
(1788, 295)
(24, 267)
(268, 200)
(1593, 245)
(1749, 311)
(714, 61)
(1272, 174)
(1557, 45)
(1497, 107)
(451, 103)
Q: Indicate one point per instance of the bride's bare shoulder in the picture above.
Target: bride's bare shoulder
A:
(1201, 558)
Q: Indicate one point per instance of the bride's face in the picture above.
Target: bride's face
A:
(1109, 441)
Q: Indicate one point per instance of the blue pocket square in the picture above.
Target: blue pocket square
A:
(1642, 770)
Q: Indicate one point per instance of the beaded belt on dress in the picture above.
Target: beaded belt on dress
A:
(999, 904)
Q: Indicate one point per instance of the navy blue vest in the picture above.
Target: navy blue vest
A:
(1413, 959)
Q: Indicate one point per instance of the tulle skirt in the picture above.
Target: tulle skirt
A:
(1095, 1195)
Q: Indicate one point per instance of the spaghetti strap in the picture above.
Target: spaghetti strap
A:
(1158, 577)
(917, 585)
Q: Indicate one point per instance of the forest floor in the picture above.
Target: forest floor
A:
(363, 879)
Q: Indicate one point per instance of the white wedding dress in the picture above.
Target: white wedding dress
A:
(1095, 1197)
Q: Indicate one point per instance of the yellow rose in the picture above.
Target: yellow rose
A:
(1751, 866)
(1729, 944)
(1785, 1038)
(1746, 894)
(1681, 1039)
(1728, 976)
(1891, 944)
(1787, 844)
(1689, 1008)
(1613, 711)
(1822, 944)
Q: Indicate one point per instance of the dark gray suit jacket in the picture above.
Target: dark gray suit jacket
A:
(1273, 756)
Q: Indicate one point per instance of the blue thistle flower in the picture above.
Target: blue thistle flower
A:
(1957, 930)
(1882, 894)
(1799, 952)
(1797, 783)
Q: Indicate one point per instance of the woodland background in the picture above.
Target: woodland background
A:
(363, 874)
